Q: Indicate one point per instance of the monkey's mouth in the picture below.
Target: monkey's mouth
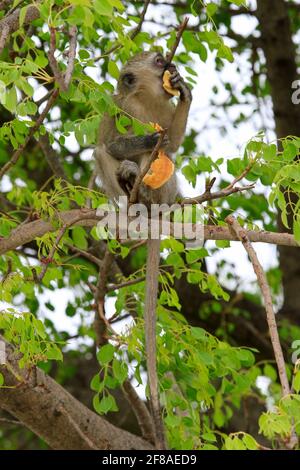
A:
(167, 94)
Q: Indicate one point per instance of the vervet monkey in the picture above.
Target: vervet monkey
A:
(120, 158)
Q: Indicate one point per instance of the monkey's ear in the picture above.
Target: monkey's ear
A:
(128, 79)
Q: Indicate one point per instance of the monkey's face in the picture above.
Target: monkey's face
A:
(143, 74)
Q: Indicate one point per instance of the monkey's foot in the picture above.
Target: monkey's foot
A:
(126, 175)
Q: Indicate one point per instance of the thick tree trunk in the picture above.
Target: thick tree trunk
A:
(46, 408)
(280, 54)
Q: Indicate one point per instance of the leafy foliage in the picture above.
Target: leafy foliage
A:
(203, 378)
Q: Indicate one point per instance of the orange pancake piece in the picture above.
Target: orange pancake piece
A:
(167, 84)
(160, 171)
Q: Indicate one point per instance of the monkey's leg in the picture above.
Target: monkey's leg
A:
(126, 175)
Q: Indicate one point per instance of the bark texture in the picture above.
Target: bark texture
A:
(46, 408)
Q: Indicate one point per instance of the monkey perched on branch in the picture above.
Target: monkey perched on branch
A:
(121, 158)
(141, 94)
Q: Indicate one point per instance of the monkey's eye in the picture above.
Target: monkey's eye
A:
(159, 60)
(128, 79)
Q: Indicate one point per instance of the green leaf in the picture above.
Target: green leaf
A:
(10, 99)
(223, 244)
(211, 9)
(79, 236)
(113, 69)
(105, 405)
(1, 379)
(120, 370)
(270, 152)
(54, 353)
(105, 354)
(190, 175)
(270, 372)
(22, 15)
(96, 384)
(297, 229)
(86, 3)
(104, 7)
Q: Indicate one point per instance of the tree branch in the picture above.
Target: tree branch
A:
(131, 282)
(65, 423)
(63, 80)
(61, 233)
(138, 406)
(38, 123)
(53, 158)
(139, 179)
(271, 319)
(266, 293)
(209, 196)
(132, 35)
(140, 410)
(179, 34)
(138, 28)
(88, 218)
(9, 24)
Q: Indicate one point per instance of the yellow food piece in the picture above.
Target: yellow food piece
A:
(156, 126)
(167, 84)
(160, 171)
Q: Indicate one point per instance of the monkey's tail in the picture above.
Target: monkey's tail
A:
(152, 270)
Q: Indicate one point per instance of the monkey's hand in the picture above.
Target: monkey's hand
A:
(155, 138)
(126, 175)
(178, 83)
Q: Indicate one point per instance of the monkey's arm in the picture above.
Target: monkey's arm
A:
(131, 148)
(177, 129)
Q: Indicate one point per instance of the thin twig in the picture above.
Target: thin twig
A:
(132, 282)
(85, 254)
(52, 252)
(52, 60)
(230, 189)
(53, 158)
(138, 28)
(44, 98)
(242, 175)
(179, 33)
(140, 410)
(71, 55)
(11, 421)
(132, 35)
(271, 319)
(101, 324)
(105, 266)
(266, 293)
(91, 185)
(209, 196)
(63, 80)
(139, 179)
(38, 123)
